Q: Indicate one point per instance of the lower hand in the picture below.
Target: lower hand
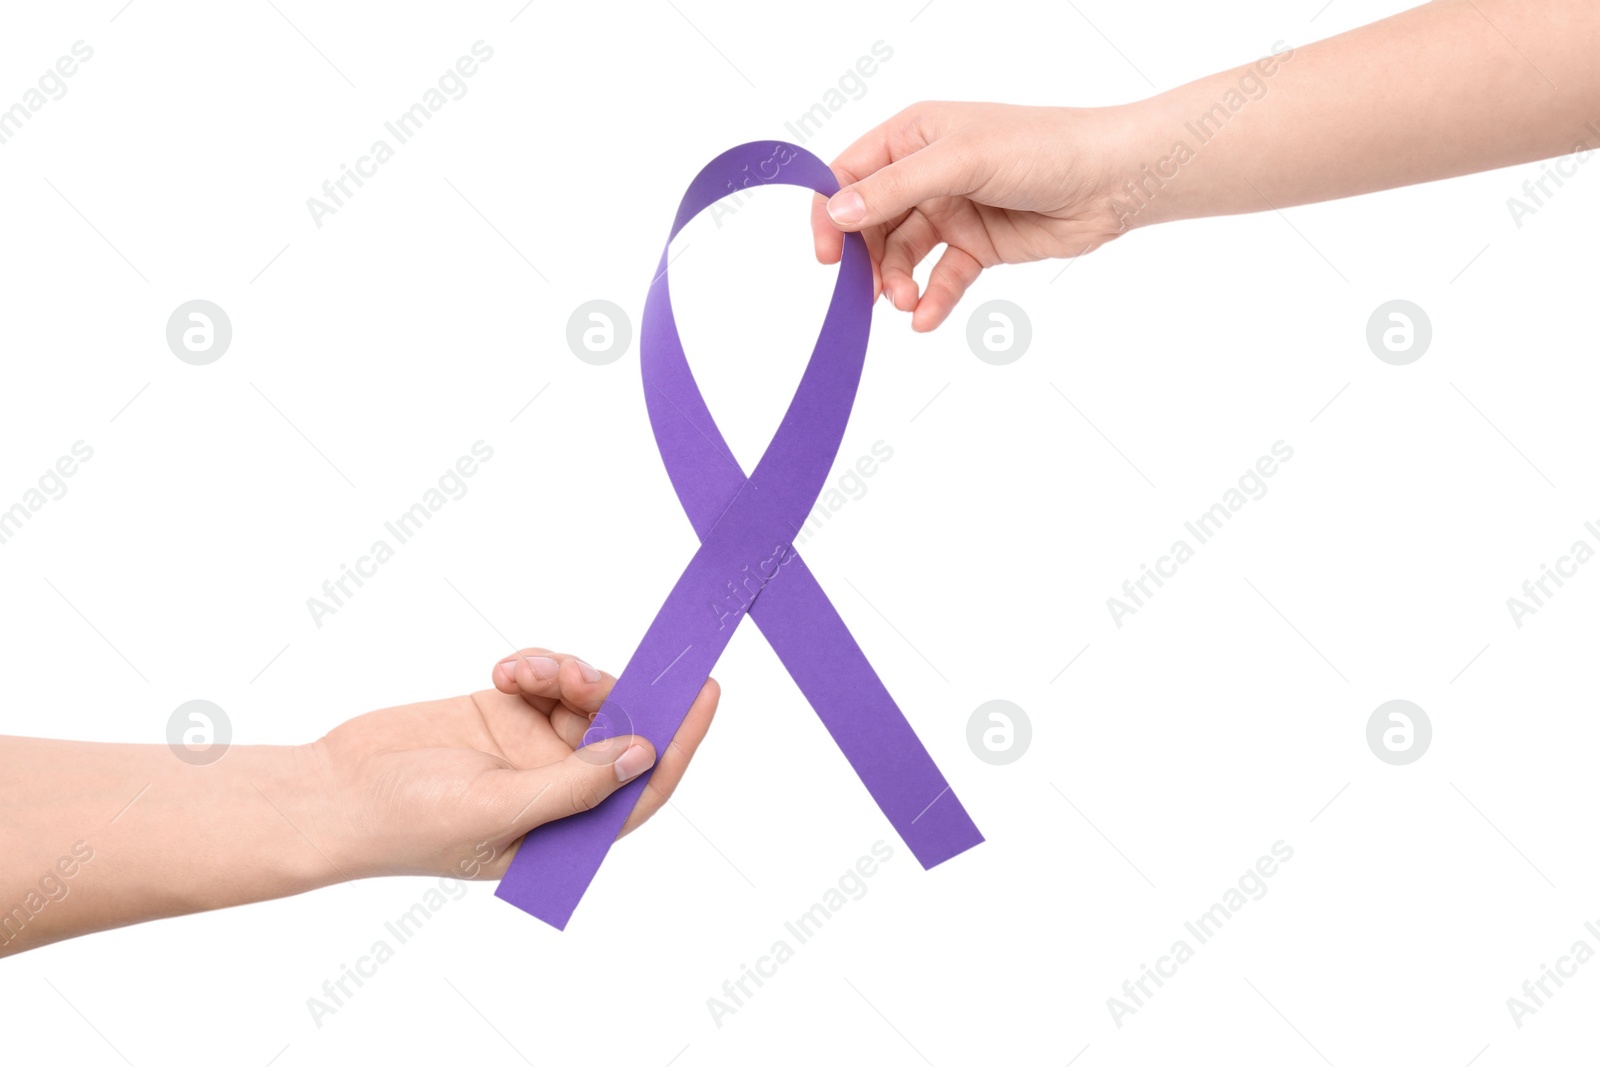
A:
(449, 786)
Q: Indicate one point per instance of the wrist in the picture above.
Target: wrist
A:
(1145, 166)
(309, 797)
(1190, 152)
(256, 824)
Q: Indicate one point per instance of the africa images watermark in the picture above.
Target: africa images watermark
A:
(735, 597)
(851, 885)
(1202, 528)
(52, 485)
(53, 888)
(1198, 132)
(1535, 991)
(738, 187)
(1566, 566)
(336, 992)
(402, 528)
(336, 191)
(1538, 192)
(851, 485)
(51, 84)
(1136, 992)
(852, 83)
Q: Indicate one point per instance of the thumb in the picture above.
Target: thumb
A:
(578, 783)
(935, 171)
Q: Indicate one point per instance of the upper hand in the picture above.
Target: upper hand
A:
(995, 183)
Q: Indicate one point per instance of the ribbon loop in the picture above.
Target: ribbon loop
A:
(747, 564)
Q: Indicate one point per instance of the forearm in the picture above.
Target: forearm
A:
(101, 835)
(1450, 88)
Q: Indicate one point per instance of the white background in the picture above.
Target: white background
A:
(1170, 755)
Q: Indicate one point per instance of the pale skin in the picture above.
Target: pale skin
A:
(1451, 88)
(448, 787)
(444, 787)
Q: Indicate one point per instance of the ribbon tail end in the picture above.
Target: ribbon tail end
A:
(944, 840)
(551, 914)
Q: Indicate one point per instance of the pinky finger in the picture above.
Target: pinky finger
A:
(952, 276)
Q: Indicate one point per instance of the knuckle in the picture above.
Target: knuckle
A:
(585, 795)
(884, 193)
(914, 113)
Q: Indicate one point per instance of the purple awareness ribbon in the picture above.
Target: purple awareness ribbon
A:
(746, 563)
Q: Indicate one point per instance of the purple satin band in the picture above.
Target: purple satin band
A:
(746, 563)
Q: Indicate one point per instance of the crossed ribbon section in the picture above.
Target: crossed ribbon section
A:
(747, 565)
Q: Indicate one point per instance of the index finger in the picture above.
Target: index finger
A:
(890, 140)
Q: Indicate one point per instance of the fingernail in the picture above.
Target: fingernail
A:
(633, 762)
(847, 207)
(544, 668)
(587, 673)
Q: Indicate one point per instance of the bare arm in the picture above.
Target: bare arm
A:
(96, 836)
(1451, 88)
(104, 835)
(1446, 89)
